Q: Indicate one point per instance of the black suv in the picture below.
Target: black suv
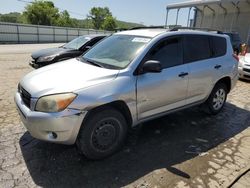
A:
(235, 40)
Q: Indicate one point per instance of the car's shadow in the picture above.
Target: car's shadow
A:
(160, 143)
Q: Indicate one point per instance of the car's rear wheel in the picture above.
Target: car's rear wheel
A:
(217, 98)
(102, 134)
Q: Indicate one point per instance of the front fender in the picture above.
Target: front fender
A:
(120, 89)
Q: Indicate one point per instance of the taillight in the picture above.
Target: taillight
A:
(236, 57)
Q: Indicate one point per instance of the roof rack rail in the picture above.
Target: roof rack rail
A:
(148, 27)
(196, 28)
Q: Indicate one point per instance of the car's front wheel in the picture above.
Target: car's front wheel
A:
(102, 134)
(217, 98)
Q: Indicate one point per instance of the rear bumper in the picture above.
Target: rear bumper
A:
(60, 127)
(234, 80)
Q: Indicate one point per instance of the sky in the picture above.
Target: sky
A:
(147, 12)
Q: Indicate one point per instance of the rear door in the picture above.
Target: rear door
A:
(160, 92)
(203, 67)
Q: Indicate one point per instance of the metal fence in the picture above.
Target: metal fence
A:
(25, 33)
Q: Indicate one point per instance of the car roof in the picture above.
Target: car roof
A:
(154, 32)
(91, 36)
(143, 32)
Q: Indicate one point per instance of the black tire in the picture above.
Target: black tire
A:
(102, 134)
(218, 96)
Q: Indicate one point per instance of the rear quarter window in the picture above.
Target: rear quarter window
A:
(218, 46)
(196, 47)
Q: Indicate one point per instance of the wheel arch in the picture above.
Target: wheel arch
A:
(118, 105)
(227, 81)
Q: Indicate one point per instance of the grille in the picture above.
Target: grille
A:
(24, 95)
(246, 70)
(246, 76)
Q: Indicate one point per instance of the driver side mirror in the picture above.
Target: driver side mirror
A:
(151, 66)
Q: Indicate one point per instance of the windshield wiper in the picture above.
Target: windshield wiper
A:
(92, 62)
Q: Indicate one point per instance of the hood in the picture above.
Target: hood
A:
(67, 76)
(48, 52)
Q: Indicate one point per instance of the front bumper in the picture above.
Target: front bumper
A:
(34, 65)
(243, 73)
(59, 127)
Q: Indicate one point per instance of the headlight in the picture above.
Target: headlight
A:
(54, 103)
(46, 58)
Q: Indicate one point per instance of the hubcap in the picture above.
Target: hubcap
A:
(105, 135)
(219, 99)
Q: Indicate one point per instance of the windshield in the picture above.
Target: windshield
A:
(76, 43)
(116, 51)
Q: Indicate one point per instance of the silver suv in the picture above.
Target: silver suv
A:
(126, 79)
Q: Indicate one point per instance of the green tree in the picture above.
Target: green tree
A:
(109, 23)
(98, 15)
(12, 17)
(65, 20)
(41, 13)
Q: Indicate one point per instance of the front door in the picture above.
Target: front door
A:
(167, 90)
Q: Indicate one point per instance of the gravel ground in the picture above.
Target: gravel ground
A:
(184, 149)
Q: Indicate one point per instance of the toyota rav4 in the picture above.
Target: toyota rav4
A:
(126, 79)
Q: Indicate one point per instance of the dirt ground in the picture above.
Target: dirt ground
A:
(184, 149)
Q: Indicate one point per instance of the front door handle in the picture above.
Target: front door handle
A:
(183, 74)
(217, 66)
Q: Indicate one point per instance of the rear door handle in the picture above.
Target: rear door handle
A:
(183, 74)
(217, 66)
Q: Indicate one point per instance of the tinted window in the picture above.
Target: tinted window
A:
(219, 46)
(196, 47)
(94, 41)
(168, 52)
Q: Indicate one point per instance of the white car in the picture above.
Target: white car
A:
(244, 66)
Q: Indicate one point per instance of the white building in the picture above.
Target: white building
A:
(224, 15)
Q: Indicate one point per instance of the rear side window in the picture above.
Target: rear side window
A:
(219, 46)
(168, 52)
(196, 47)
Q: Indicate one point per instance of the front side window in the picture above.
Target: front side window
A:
(116, 51)
(168, 52)
(94, 41)
(196, 47)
